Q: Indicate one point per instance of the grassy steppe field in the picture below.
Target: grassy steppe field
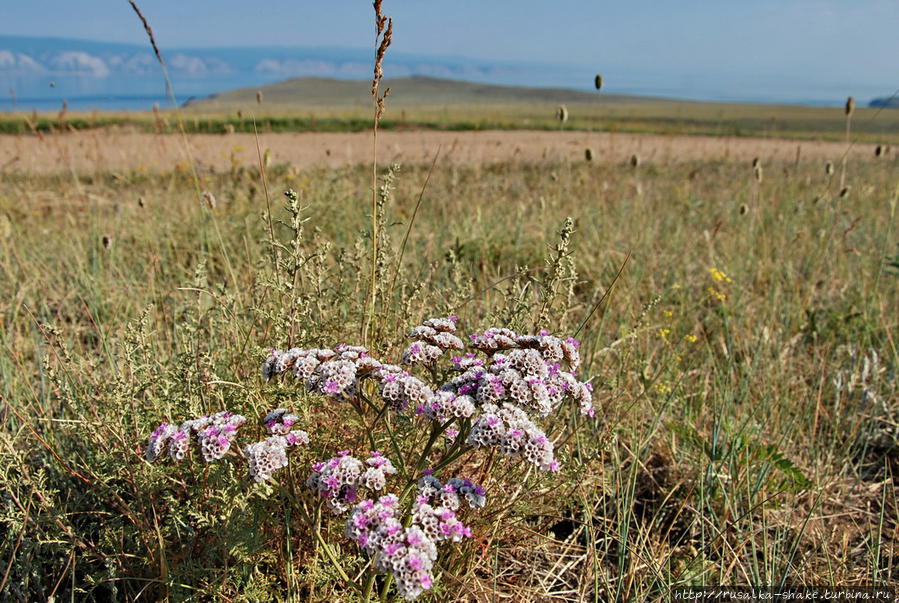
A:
(744, 366)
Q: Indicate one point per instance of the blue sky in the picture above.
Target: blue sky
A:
(799, 44)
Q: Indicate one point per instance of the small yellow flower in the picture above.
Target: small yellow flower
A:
(669, 314)
(663, 388)
(663, 334)
(691, 338)
(719, 276)
(717, 294)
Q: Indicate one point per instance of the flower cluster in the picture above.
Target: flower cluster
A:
(432, 338)
(214, 436)
(270, 454)
(515, 434)
(280, 421)
(452, 493)
(401, 389)
(515, 375)
(525, 370)
(333, 373)
(408, 552)
(217, 432)
(339, 479)
(445, 405)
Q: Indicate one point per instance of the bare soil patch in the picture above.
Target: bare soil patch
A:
(103, 151)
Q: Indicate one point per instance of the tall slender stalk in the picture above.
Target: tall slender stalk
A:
(849, 110)
(383, 38)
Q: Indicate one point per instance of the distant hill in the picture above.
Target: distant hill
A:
(891, 102)
(412, 91)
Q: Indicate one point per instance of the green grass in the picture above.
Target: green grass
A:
(312, 105)
(724, 453)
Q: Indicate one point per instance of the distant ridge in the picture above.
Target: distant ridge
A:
(407, 91)
(891, 102)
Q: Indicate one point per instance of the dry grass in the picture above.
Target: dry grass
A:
(725, 453)
(95, 152)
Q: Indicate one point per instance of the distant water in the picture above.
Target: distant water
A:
(47, 93)
(85, 103)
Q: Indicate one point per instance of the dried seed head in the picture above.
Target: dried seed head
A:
(259, 97)
(597, 81)
(588, 154)
(828, 168)
(850, 105)
(845, 192)
(878, 151)
(635, 160)
(207, 199)
(106, 241)
(756, 162)
(562, 113)
(758, 173)
(140, 202)
(744, 209)
(239, 114)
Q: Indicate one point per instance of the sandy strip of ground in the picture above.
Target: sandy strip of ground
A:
(102, 151)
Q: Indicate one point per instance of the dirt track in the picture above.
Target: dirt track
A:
(97, 151)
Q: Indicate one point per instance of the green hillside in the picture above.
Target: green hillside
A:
(404, 92)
